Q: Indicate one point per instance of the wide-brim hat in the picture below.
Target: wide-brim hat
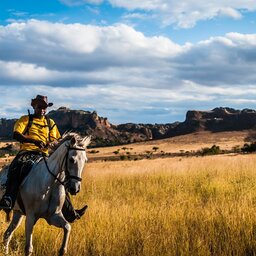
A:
(41, 100)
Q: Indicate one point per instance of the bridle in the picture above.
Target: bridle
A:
(65, 159)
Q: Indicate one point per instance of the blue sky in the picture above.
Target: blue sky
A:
(131, 61)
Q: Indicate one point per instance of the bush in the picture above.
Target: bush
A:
(214, 150)
(236, 149)
(122, 157)
(249, 148)
(94, 151)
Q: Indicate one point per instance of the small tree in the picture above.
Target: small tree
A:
(155, 148)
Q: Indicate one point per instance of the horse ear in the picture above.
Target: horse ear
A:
(86, 141)
(73, 141)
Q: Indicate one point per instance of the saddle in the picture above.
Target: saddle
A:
(21, 167)
(26, 161)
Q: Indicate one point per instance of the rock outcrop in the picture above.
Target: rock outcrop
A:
(104, 133)
(6, 127)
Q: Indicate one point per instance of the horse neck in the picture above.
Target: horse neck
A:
(57, 159)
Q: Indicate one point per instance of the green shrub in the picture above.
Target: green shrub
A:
(122, 157)
(249, 148)
(214, 150)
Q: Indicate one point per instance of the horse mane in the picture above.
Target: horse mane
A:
(79, 141)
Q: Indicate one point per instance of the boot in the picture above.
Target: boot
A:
(81, 212)
(6, 203)
(73, 215)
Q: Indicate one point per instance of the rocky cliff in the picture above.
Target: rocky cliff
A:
(6, 127)
(104, 133)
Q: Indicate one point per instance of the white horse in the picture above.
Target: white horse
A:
(43, 192)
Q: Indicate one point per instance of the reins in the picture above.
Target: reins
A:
(67, 175)
(55, 176)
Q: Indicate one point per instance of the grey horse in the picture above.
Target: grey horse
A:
(43, 192)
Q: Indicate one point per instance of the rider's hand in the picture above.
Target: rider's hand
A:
(39, 144)
(53, 143)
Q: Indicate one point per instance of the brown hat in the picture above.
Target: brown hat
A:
(41, 100)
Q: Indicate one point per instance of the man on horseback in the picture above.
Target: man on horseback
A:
(35, 133)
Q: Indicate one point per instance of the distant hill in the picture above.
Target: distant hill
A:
(106, 134)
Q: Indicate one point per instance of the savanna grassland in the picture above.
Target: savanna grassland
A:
(176, 206)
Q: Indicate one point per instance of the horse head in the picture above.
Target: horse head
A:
(75, 161)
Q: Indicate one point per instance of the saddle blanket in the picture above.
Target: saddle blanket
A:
(24, 162)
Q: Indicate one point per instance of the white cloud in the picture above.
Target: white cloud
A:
(183, 14)
(135, 15)
(81, 47)
(186, 14)
(46, 53)
(124, 104)
(230, 12)
(122, 73)
(80, 2)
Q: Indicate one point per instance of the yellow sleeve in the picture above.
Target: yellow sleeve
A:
(21, 124)
(54, 132)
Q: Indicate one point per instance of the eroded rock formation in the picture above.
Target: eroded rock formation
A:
(104, 133)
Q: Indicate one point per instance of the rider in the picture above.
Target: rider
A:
(35, 133)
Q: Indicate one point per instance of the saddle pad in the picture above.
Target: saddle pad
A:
(26, 161)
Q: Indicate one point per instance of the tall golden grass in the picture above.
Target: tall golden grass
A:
(179, 206)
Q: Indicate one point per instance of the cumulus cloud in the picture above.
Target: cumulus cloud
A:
(182, 14)
(220, 61)
(76, 46)
(47, 53)
(122, 73)
(185, 14)
(42, 52)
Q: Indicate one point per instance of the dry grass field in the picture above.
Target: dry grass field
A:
(176, 206)
(190, 142)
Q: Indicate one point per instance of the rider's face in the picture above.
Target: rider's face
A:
(40, 110)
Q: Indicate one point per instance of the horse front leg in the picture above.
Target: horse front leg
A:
(30, 222)
(59, 221)
(16, 221)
